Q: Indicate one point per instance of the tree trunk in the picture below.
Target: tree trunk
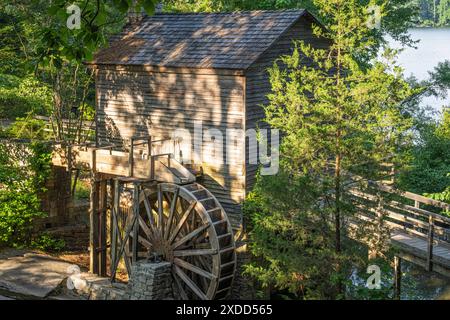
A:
(337, 219)
(337, 209)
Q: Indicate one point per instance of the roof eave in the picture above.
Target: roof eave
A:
(168, 69)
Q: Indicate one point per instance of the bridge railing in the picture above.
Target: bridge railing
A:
(405, 211)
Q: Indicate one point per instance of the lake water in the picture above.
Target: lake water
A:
(434, 47)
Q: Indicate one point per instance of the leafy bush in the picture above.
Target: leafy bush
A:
(46, 242)
(23, 171)
(428, 172)
(82, 189)
(18, 97)
(28, 128)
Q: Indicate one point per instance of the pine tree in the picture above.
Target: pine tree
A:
(340, 119)
(444, 12)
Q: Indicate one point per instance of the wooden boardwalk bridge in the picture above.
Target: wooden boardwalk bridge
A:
(415, 229)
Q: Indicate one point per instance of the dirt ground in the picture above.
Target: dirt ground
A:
(82, 260)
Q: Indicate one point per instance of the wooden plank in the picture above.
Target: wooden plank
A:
(191, 235)
(175, 70)
(430, 244)
(194, 252)
(103, 198)
(397, 277)
(93, 228)
(114, 225)
(191, 284)
(188, 266)
(135, 219)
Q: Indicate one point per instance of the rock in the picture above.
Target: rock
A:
(2, 298)
(32, 274)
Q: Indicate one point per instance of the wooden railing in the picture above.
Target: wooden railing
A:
(154, 160)
(71, 129)
(406, 211)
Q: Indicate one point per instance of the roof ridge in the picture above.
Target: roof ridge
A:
(227, 12)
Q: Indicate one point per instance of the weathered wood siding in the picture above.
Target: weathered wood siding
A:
(134, 101)
(258, 83)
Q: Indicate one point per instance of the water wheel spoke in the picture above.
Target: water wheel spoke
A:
(145, 228)
(148, 209)
(201, 238)
(160, 210)
(182, 221)
(205, 266)
(194, 252)
(188, 266)
(145, 242)
(173, 205)
(183, 293)
(191, 284)
(191, 235)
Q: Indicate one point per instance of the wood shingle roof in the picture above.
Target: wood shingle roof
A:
(202, 40)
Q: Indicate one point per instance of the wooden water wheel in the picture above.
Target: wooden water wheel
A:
(187, 226)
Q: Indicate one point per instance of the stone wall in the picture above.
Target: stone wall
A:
(56, 198)
(149, 281)
(76, 237)
(67, 219)
(72, 225)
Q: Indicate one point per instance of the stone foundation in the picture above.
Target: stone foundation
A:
(75, 237)
(149, 281)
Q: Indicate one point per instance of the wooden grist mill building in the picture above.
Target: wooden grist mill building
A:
(172, 72)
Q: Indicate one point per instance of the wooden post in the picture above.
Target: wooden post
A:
(135, 221)
(430, 243)
(152, 168)
(69, 158)
(94, 161)
(69, 170)
(131, 158)
(114, 225)
(93, 221)
(102, 227)
(397, 277)
(149, 147)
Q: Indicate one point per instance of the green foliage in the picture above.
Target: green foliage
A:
(427, 172)
(434, 12)
(59, 44)
(444, 12)
(27, 128)
(339, 118)
(82, 189)
(18, 97)
(12, 57)
(47, 243)
(23, 170)
(293, 249)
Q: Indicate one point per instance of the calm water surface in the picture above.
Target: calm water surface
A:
(434, 47)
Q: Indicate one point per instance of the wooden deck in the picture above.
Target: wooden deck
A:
(416, 231)
(143, 159)
(415, 250)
